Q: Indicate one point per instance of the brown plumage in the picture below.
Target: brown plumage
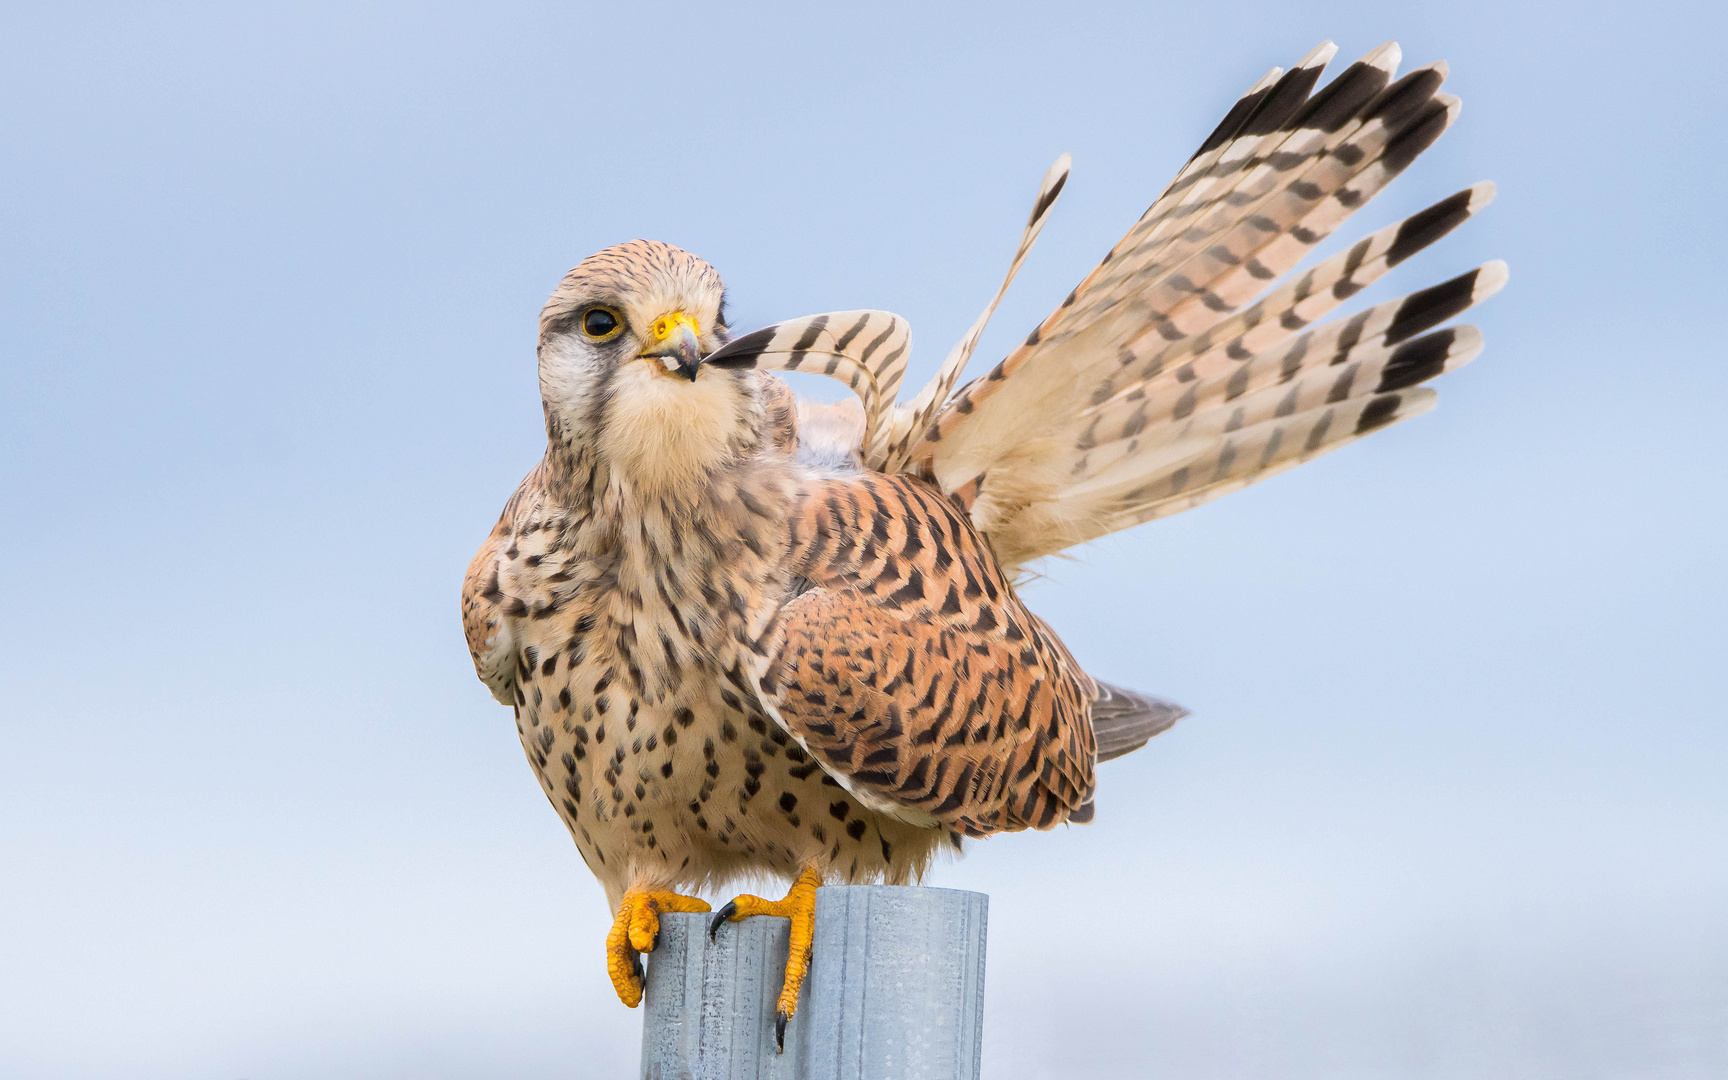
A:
(913, 672)
(745, 634)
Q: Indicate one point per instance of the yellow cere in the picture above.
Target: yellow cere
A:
(667, 325)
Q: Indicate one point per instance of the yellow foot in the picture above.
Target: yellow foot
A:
(633, 932)
(800, 907)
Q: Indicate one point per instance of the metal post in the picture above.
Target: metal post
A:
(895, 992)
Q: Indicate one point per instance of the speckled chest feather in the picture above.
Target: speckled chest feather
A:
(640, 628)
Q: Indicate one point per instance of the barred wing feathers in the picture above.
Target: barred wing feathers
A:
(867, 350)
(911, 422)
(1147, 391)
(1151, 388)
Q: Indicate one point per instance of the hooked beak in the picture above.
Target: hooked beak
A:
(673, 343)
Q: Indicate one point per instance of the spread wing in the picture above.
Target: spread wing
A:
(1152, 388)
(911, 672)
(1148, 392)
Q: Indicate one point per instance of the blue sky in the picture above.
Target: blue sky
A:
(1452, 800)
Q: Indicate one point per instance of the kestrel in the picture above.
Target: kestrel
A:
(744, 634)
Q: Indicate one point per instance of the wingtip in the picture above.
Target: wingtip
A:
(1319, 56)
(1466, 346)
(1413, 401)
(1491, 277)
(1437, 68)
(1386, 57)
(1481, 194)
(1054, 180)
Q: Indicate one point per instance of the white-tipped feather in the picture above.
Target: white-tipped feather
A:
(1146, 391)
(1298, 302)
(1273, 447)
(1196, 389)
(1146, 377)
(910, 422)
(1175, 296)
(1184, 225)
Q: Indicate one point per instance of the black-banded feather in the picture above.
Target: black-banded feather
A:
(1275, 219)
(1147, 376)
(867, 350)
(1337, 358)
(1211, 175)
(912, 421)
(1170, 291)
(1265, 450)
(1147, 390)
(1128, 462)
(1296, 303)
(1165, 237)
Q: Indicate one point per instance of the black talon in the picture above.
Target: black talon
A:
(721, 916)
(780, 1019)
(641, 976)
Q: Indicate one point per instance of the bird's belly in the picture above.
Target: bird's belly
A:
(696, 786)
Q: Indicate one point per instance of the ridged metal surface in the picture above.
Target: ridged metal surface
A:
(895, 992)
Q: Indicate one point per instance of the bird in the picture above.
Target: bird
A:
(746, 635)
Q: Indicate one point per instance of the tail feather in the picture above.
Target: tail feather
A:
(1203, 184)
(1124, 720)
(867, 350)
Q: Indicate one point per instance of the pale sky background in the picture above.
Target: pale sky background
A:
(1454, 799)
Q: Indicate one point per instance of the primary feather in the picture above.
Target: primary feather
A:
(1160, 382)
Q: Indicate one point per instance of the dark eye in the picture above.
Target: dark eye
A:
(599, 323)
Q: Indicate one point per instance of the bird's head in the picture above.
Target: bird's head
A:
(621, 347)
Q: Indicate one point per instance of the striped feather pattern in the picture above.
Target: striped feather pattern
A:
(1161, 381)
(1296, 303)
(1238, 181)
(1341, 354)
(1148, 373)
(1267, 449)
(1132, 459)
(911, 422)
(867, 350)
(1257, 233)
(1139, 459)
(1235, 147)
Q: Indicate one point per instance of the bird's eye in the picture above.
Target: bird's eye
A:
(599, 322)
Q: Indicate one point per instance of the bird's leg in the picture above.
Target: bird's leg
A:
(800, 907)
(634, 931)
